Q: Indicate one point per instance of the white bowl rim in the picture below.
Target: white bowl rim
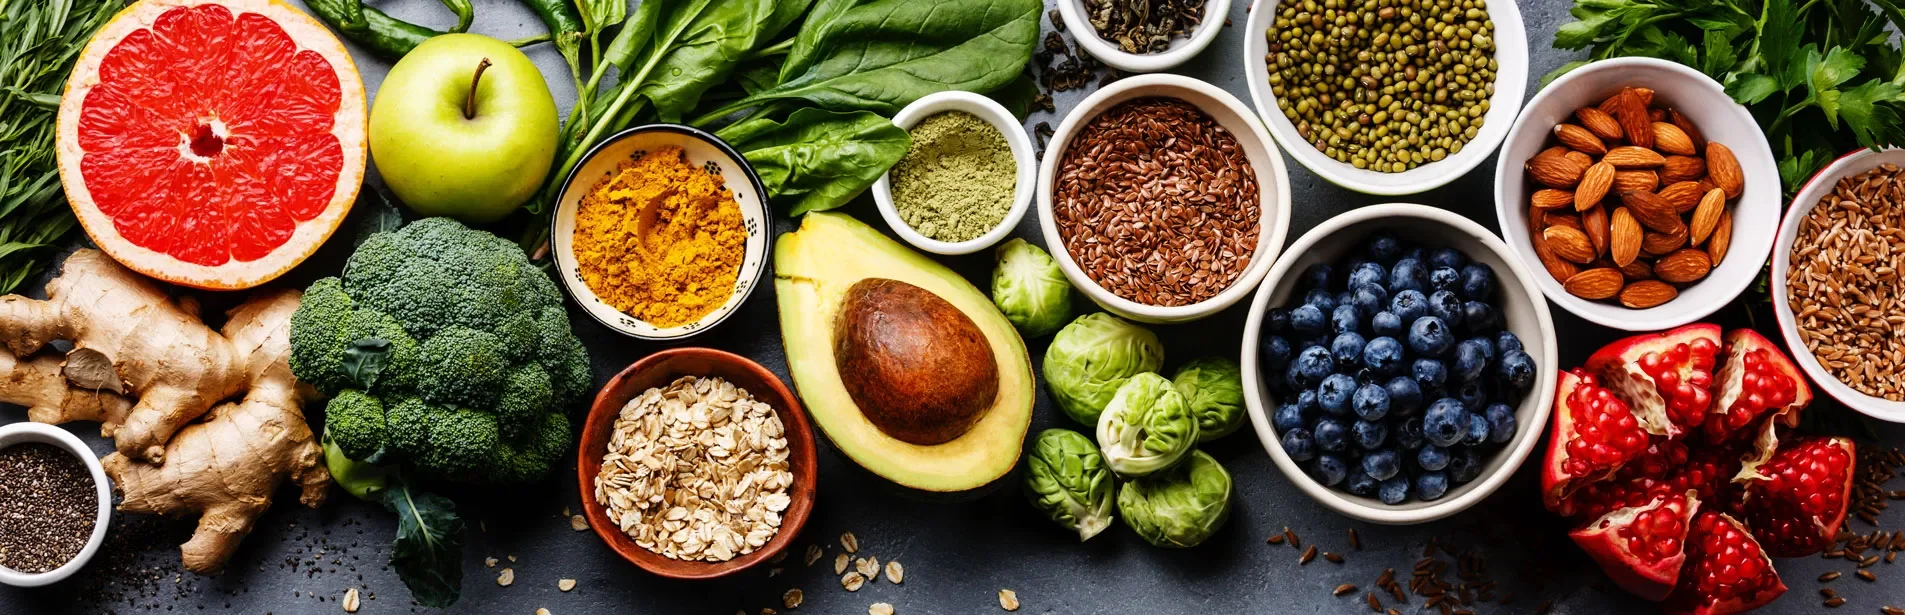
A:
(26, 432)
(1672, 313)
(1852, 163)
(1215, 12)
(1503, 108)
(1271, 229)
(1025, 167)
(1525, 440)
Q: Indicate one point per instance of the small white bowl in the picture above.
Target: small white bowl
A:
(1073, 12)
(703, 150)
(1000, 119)
(1273, 189)
(25, 432)
(1511, 77)
(1719, 118)
(1522, 309)
(1818, 187)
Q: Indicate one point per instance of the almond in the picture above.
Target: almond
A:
(1684, 195)
(1534, 219)
(1724, 170)
(1722, 236)
(1682, 168)
(1553, 151)
(1555, 171)
(1623, 236)
(1707, 216)
(1638, 270)
(1654, 212)
(1580, 157)
(1647, 293)
(1594, 224)
(1557, 268)
(1641, 179)
(1686, 126)
(1554, 218)
(1599, 122)
(1634, 119)
(1662, 244)
(1683, 266)
(1579, 138)
(1549, 198)
(1646, 98)
(1657, 115)
(1670, 139)
(1594, 185)
(1633, 157)
(1595, 284)
(1569, 243)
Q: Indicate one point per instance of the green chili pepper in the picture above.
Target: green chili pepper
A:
(384, 36)
(566, 30)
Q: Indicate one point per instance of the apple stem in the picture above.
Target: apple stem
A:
(469, 105)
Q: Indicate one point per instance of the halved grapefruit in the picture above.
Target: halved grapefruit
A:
(212, 143)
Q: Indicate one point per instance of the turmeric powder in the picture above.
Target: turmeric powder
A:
(661, 239)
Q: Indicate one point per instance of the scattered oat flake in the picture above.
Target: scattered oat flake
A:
(565, 584)
(813, 554)
(773, 572)
(791, 599)
(880, 608)
(869, 567)
(840, 562)
(489, 562)
(894, 572)
(507, 576)
(578, 523)
(853, 581)
(848, 542)
(512, 559)
(1008, 600)
(542, 611)
(765, 611)
(778, 558)
(350, 601)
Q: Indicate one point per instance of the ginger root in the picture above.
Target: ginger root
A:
(182, 446)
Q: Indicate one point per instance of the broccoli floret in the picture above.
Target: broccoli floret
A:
(408, 427)
(461, 367)
(461, 442)
(518, 336)
(562, 355)
(526, 395)
(320, 333)
(355, 422)
(531, 457)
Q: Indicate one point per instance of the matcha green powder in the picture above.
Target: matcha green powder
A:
(956, 180)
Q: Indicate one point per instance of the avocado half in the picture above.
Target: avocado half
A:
(908, 369)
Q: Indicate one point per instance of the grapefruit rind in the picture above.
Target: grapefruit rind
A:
(349, 126)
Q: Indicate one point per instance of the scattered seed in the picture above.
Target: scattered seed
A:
(1355, 542)
(895, 573)
(1866, 575)
(1829, 577)
(1891, 610)
(1308, 554)
(507, 576)
(1374, 604)
(1344, 589)
(350, 600)
(1868, 561)
(791, 599)
(1290, 536)
(1008, 600)
(1835, 603)
(848, 542)
(1333, 558)
(1827, 592)
(880, 608)
(565, 584)
(1275, 539)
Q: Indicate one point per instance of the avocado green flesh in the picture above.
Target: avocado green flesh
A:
(814, 266)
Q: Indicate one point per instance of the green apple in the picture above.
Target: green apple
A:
(463, 126)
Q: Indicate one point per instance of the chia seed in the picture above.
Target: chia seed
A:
(48, 505)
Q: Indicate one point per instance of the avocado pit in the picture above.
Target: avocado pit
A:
(918, 368)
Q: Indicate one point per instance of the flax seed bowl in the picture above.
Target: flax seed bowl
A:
(1163, 199)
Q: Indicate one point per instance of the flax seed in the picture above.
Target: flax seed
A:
(1344, 589)
(1308, 554)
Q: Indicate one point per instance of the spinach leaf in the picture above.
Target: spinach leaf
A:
(708, 50)
(428, 552)
(598, 15)
(817, 160)
(825, 14)
(757, 76)
(883, 55)
(786, 12)
(364, 360)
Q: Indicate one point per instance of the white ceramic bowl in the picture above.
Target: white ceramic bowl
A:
(25, 432)
(703, 150)
(1511, 77)
(1073, 12)
(1273, 189)
(1522, 309)
(1720, 119)
(1000, 119)
(1818, 187)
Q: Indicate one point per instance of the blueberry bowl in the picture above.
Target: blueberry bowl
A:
(1446, 369)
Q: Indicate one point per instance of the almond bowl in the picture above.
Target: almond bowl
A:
(1718, 118)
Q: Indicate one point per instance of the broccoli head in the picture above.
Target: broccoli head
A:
(445, 348)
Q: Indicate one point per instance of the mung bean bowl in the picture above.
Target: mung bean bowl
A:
(1435, 150)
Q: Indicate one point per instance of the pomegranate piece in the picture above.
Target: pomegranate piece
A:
(1726, 570)
(1756, 380)
(1667, 378)
(1666, 467)
(1796, 499)
(1642, 548)
(1594, 435)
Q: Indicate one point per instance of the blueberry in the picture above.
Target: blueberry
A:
(1419, 253)
(1487, 348)
(1347, 348)
(1409, 305)
(1443, 278)
(1430, 458)
(1317, 276)
(1298, 444)
(1288, 417)
(1480, 317)
(1360, 483)
(1477, 430)
(1409, 434)
(1448, 257)
(1445, 423)
(1311, 367)
(1368, 299)
(1344, 319)
(1369, 273)
(1277, 320)
(1384, 247)
(1465, 464)
(1393, 491)
(1335, 392)
(1321, 298)
(1405, 398)
(1369, 435)
(1386, 324)
(1308, 320)
(1472, 394)
(1329, 470)
(1330, 434)
(1408, 274)
(1471, 357)
(1501, 423)
(1276, 352)
(1430, 336)
(1506, 342)
(1429, 373)
(1446, 306)
(1431, 485)
(1517, 370)
(1382, 464)
(1383, 356)
(1307, 404)
(1478, 282)
(1371, 402)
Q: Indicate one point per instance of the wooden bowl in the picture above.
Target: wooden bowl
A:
(658, 370)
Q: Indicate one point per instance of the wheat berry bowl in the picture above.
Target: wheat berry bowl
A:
(658, 370)
(1516, 299)
(29, 432)
(1078, 22)
(705, 151)
(1262, 161)
(1823, 184)
(1024, 161)
(1511, 77)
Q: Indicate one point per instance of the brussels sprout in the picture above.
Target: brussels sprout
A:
(1146, 428)
(1090, 358)
(1066, 479)
(1181, 507)
(1214, 389)
(1031, 291)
